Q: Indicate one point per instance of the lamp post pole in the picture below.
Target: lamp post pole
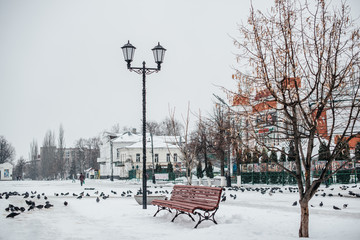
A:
(111, 161)
(159, 52)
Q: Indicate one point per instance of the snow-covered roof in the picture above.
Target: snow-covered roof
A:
(158, 142)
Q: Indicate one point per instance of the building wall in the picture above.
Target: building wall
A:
(125, 152)
(6, 171)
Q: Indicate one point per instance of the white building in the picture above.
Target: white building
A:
(6, 171)
(127, 152)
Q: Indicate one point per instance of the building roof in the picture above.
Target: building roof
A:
(158, 142)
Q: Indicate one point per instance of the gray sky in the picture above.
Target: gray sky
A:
(61, 62)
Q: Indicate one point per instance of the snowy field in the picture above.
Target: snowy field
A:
(252, 215)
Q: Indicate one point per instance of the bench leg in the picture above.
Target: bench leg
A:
(161, 208)
(206, 216)
(181, 212)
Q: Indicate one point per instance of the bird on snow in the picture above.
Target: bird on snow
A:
(65, 203)
(97, 199)
(295, 203)
(321, 204)
(345, 205)
(79, 197)
(336, 208)
(223, 199)
(40, 206)
(48, 205)
(12, 215)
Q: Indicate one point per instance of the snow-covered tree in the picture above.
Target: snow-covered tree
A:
(301, 58)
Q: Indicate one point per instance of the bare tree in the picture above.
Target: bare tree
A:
(93, 152)
(80, 146)
(19, 170)
(7, 151)
(115, 128)
(171, 126)
(303, 59)
(154, 128)
(48, 156)
(185, 144)
(33, 157)
(219, 132)
(201, 139)
(61, 165)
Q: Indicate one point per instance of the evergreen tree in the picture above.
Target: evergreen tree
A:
(283, 155)
(255, 156)
(344, 149)
(273, 156)
(158, 168)
(170, 168)
(357, 151)
(199, 171)
(73, 168)
(210, 170)
(324, 152)
(291, 156)
(264, 156)
(248, 156)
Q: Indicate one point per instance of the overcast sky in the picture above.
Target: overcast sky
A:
(61, 62)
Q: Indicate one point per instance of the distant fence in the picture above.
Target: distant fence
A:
(263, 173)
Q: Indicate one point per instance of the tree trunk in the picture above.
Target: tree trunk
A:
(304, 224)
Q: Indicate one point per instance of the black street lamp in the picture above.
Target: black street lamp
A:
(159, 52)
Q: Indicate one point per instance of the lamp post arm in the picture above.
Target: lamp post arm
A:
(143, 69)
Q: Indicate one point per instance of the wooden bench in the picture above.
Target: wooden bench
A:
(196, 200)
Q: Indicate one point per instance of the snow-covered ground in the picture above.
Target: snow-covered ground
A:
(252, 215)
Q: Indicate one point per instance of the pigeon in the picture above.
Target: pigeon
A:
(12, 215)
(48, 205)
(295, 203)
(223, 199)
(22, 209)
(40, 206)
(29, 202)
(321, 204)
(336, 208)
(65, 203)
(345, 205)
(97, 199)
(79, 197)
(31, 207)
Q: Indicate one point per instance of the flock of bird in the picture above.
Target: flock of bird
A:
(31, 197)
(34, 196)
(15, 210)
(272, 190)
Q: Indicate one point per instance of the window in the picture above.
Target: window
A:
(138, 157)
(118, 153)
(175, 157)
(156, 157)
(123, 157)
(168, 157)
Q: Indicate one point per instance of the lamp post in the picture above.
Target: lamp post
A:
(159, 52)
(111, 136)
